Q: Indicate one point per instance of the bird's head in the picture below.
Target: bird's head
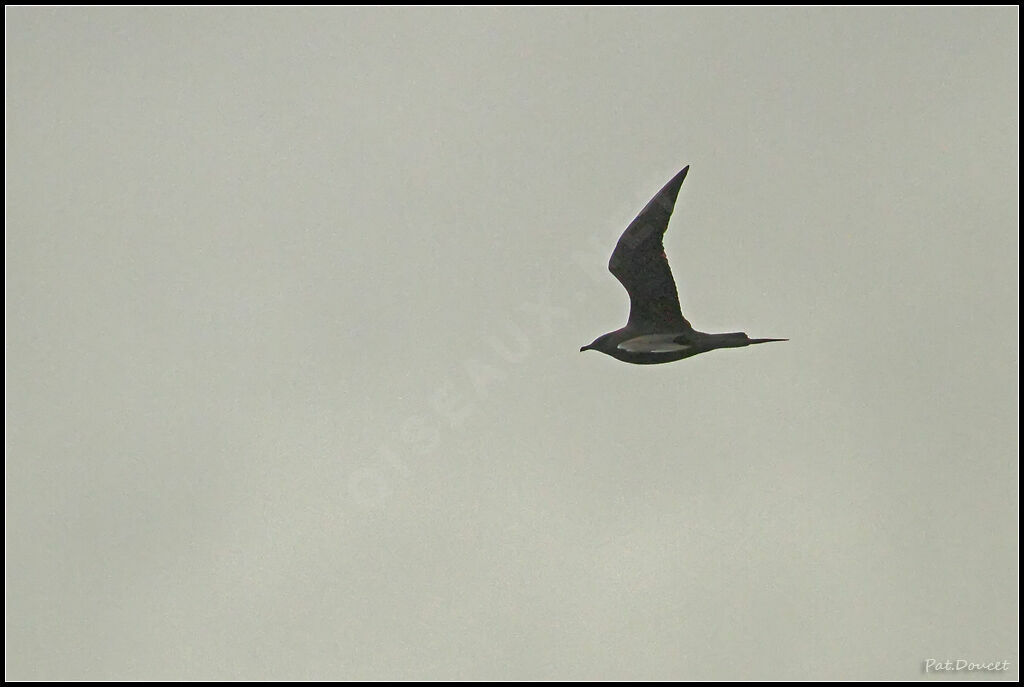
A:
(594, 345)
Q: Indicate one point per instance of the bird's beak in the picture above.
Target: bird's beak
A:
(584, 348)
(755, 341)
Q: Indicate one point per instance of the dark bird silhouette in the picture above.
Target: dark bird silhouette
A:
(656, 331)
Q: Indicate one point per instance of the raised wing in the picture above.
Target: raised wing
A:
(639, 262)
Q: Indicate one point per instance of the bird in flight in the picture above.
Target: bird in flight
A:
(656, 331)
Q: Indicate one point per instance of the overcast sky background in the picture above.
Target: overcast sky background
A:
(294, 300)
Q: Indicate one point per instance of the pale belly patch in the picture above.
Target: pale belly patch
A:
(653, 343)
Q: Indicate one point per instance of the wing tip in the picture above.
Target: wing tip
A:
(677, 181)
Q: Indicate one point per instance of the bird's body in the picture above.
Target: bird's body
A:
(651, 349)
(656, 331)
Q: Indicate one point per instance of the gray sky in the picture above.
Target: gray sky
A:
(294, 300)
